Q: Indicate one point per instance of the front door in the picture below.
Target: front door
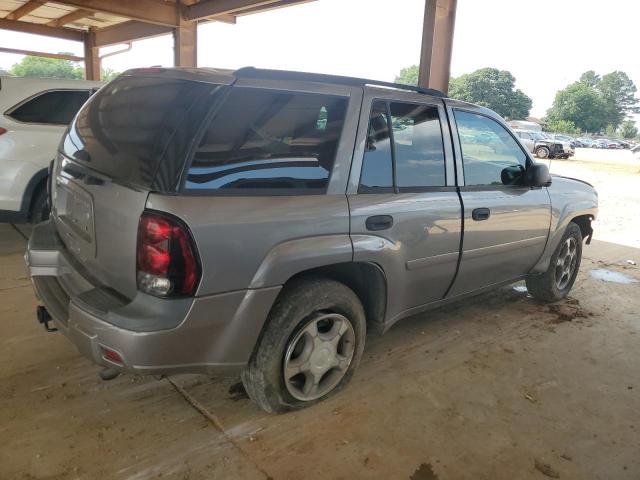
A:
(506, 223)
(405, 211)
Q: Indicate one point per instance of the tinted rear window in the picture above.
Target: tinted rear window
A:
(132, 124)
(56, 107)
(269, 141)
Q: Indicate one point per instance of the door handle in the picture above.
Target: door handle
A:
(479, 214)
(379, 222)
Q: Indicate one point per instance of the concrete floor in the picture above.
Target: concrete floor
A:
(498, 387)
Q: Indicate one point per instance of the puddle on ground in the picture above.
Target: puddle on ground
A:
(610, 276)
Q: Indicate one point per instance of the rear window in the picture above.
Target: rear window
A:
(56, 107)
(133, 124)
(269, 141)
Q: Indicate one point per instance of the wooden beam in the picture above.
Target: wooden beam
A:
(212, 8)
(39, 29)
(437, 44)
(70, 18)
(271, 6)
(150, 11)
(25, 9)
(129, 31)
(185, 44)
(224, 18)
(426, 49)
(33, 53)
(443, 45)
(92, 70)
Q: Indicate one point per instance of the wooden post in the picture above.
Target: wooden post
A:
(91, 57)
(185, 41)
(437, 44)
(428, 27)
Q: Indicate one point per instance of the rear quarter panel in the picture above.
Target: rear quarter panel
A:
(255, 242)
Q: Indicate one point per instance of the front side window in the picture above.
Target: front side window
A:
(404, 149)
(490, 154)
(272, 140)
(57, 107)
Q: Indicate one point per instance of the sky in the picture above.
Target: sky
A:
(545, 44)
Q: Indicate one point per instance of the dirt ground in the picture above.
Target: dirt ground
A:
(498, 387)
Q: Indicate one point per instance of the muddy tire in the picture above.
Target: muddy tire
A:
(310, 346)
(556, 282)
(542, 152)
(39, 211)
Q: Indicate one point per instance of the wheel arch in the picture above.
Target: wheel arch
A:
(366, 279)
(37, 182)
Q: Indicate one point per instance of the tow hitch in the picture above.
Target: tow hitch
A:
(44, 318)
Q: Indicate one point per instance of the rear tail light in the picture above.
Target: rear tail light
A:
(3, 131)
(167, 262)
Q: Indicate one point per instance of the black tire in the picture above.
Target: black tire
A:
(263, 378)
(39, 211)
(542, 152)
(546, 286)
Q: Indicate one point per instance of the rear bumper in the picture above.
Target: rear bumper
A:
(214, 334)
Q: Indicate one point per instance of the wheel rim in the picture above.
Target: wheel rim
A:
(319, 356)
(543, 152)
(566, 263)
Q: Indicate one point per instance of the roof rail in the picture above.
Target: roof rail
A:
(252, 72)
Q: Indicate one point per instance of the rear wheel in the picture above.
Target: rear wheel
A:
(542, 152)
(39, 207)
(310, 347)
(556, 282)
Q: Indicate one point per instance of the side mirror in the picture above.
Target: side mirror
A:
(537, 175)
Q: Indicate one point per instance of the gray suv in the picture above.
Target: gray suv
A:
(263, 222)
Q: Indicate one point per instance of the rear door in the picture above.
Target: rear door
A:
(506, 223)
(405, 211)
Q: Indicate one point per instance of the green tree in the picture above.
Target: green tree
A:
(47, 67)
(563, 126)
(408, 76)
(590, 78)
(628, 129)
(581, 104)
(109, 74)
(618, 92)
(494, 89)
(610, 131)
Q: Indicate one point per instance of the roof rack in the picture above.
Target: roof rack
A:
(252, 72)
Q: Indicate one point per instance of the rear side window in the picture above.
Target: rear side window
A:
(407, 157)
(57, 107)
(269, 141)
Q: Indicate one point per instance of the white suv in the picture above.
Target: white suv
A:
(34, 115)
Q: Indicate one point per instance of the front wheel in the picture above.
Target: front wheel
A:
(542, 152)
(556, 282)
(310, 347)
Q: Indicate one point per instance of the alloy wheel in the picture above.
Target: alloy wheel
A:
(318, 356)
(566, 263)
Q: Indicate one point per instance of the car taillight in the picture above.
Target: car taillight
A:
(167, 263)
(3, 131)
